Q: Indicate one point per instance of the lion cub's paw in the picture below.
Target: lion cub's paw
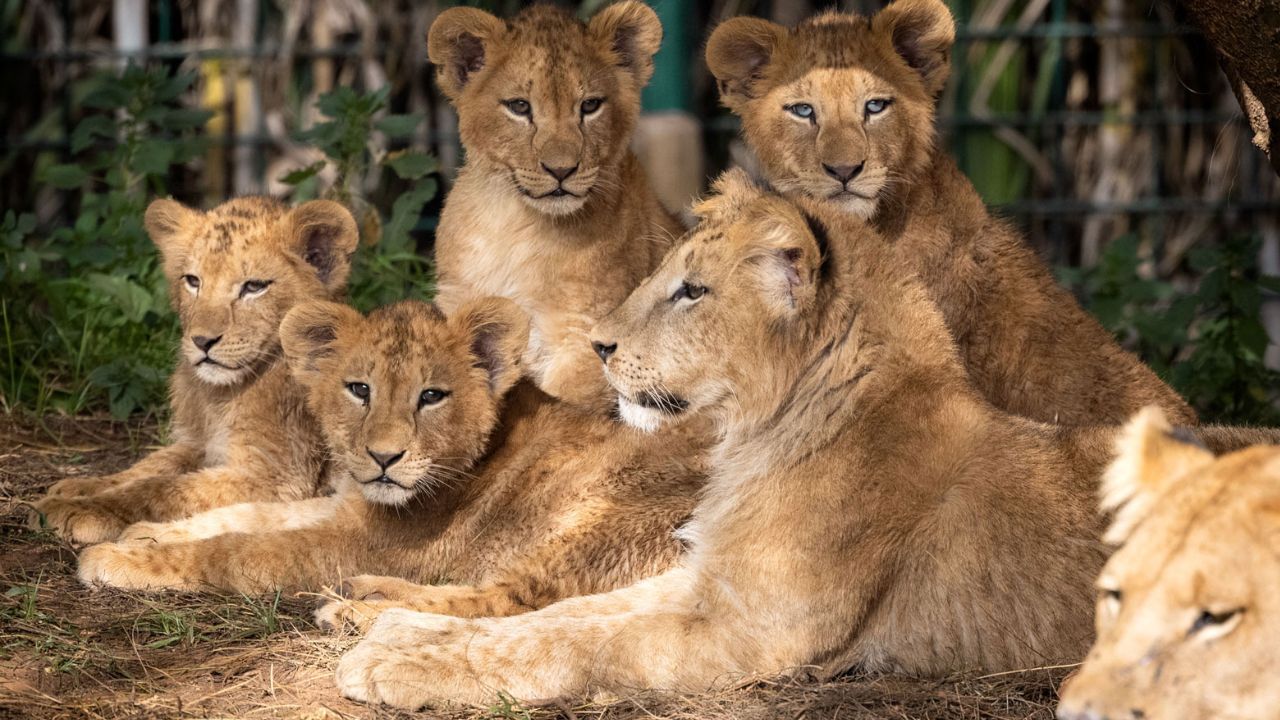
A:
(131, 567)
(146, 533)
(78, 520)
(339, 616)
(377, 587)
(397, 665)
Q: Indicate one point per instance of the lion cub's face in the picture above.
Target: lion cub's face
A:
(547, 101)
(702, 326)
(1188, 606)
(235, 271)
(840, 108)
(406, 398)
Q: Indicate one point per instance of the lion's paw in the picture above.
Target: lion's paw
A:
(338, 616)
(78, 520)
(397, 665)
(147, 533)
(131, 567)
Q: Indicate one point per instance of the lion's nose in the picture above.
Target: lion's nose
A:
(204, 342)
(843, 173)
(604, 351)
(560, 173)
(385, 459)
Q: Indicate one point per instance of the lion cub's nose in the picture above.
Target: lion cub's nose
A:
(560, 173)
(205, 342)
(843, 173)
(604, 351)
(385, 459)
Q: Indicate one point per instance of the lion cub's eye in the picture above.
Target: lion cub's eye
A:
(359, 391)
(1209, 619)
(192, 281)
(591, 105)
(875, 106)
(519, 106)
(803, 111)
(688, 292)
(254, 287)
(431, 396)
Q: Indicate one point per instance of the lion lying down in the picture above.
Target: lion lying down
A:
(1185, 616)
(527, 499)
(866, 506)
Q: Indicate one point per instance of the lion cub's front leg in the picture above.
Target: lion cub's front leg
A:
(167, 462)
(243, 518)
(365, 597)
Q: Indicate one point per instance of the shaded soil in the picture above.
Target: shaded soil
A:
(70, 652)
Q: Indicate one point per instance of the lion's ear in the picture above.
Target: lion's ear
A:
(324, 234)
(737, 53)
(498, 332)
(788, 256)
(632, 32)
(1150, 456)
(459, 43)
(169, 224)
(310, 331)
(922, 32)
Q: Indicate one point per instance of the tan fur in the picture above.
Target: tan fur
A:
(1026, 343)
(241, 431)
(1188, 616)
(866, 507)
(561, 503)
(566, 260)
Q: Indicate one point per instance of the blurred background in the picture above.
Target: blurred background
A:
(1104, 128)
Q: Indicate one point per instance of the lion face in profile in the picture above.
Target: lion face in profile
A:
(690, 337)
(548, 101)
(840, 108)
(1188, 614)
(235, 271)
(406, 398)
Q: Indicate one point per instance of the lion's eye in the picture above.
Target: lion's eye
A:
(519, 106)
(254, 287)
(1208, 619)
(803, 111)
(359, 391)
(431, 396)
(590, 105)
(688, 291)
(192, 281)
(875, 106)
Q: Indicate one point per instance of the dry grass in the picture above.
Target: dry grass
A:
(68, 652)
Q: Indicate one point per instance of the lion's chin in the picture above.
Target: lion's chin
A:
(219, 374)
(556, 206)
(642, 418)
(857, 205)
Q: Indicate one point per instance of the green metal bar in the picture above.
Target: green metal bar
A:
(669, 88)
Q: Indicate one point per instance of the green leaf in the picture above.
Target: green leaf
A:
(398, 126)
(154, 158)
(132, 299)
(404, 215)
(410, 165)
(297, 177)
(65, 177)
(94, 126)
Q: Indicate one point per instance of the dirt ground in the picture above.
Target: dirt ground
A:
(70, 652)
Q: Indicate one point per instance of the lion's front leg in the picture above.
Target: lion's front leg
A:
(242, 517)
(362, 599)
(413, 659)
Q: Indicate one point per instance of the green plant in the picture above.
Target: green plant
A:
(389, 268)
(1208, 342)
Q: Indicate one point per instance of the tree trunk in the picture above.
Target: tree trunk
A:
(1246, 34)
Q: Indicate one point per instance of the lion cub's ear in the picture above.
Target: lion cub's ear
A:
(922, 32)
(737, 53)
(458, 44)
(169, 224)
(632, 32)
(324, 234)
(309, 332)
(498, 331)
(1150, 457)
(788, 255)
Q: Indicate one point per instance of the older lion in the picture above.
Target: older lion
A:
(1188, 605)
(551, 210)
(841, 109)
(444, 472)
(241, 429)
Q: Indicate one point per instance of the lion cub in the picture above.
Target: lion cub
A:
(551, 210)
(241, 429)
(444, 471)
(841, 109)
(1188, 613)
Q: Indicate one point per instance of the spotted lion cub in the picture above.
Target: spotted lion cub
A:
(447, 467)
(1188, 610)
(241, 429)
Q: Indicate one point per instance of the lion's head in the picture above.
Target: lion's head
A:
(235, 271)
(841, 107)
(405, 397)
(726, 301)
(545, 102)
(1188, 617)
